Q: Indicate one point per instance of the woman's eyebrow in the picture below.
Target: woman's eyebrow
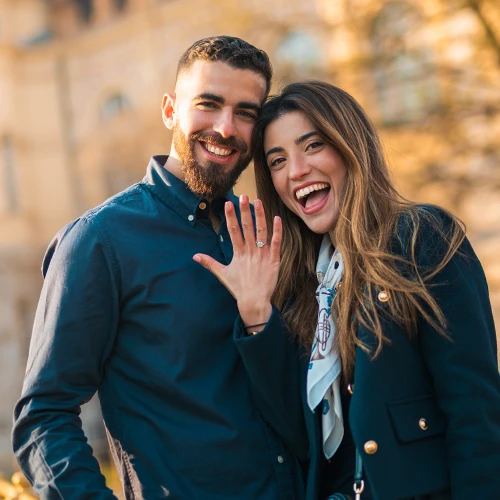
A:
(299, 140)
(277, 149)
(304, 137)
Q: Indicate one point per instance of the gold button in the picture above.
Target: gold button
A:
(383, 296)
(422, 423)
(371, 447)
(202, 205)
(350, 389)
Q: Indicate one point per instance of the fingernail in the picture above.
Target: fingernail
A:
(196, 258)
(257, 203)
(243, 198)
(277, 218)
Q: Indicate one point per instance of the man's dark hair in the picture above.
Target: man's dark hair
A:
(230, 50)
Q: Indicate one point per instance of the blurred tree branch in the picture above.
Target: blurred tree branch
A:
(477, 7)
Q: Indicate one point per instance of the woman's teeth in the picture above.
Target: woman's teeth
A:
(218, 150)
(302, 193)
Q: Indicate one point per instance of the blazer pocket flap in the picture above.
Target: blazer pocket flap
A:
(416, 418)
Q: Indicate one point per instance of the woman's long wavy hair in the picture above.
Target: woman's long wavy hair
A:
(365, 232)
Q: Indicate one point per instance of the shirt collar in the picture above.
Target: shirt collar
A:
(174, 193)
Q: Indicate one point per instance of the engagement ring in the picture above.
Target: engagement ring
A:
(260, 244)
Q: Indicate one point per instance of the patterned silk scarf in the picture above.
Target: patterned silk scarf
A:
(323, 376)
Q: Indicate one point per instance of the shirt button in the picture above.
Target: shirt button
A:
(190, 218)
(202, 205)
(280, 459)
(221, 238)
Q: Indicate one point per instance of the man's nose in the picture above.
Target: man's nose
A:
(225, 125)
(298, 168)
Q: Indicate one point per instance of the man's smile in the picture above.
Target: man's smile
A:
(217, 150)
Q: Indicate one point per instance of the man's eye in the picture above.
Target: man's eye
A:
(207, 104)
(248, 114)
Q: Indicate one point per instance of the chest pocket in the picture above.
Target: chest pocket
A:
(416, 418)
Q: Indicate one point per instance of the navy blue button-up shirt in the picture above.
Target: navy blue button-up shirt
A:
(126, 311)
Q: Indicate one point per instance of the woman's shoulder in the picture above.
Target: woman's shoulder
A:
(421, 217)
(425, 230)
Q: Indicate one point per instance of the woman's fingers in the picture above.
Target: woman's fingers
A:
(233, 228)
(260, 222)
(216, 268)
(247, 222)
(276, 240)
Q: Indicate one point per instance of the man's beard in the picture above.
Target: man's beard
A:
(208, 180)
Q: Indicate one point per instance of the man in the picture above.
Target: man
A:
(126, 311)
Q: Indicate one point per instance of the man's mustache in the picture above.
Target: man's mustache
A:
(217, 140)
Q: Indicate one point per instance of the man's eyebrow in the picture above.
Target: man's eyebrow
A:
(249, 105)
(304, 137)
(277, 149)
(209, 97)
(219, 99)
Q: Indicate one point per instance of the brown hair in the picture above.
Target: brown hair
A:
(230, 50)
(365, 232)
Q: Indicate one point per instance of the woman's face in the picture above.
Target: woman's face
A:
(308, 174)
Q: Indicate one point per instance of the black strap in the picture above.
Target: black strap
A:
(359, 484)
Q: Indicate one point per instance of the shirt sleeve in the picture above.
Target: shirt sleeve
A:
(272, 360)
(73, 335)
(465, 370)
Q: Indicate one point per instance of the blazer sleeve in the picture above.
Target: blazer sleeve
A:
(73, 335)
(464, 369)
(273, 361)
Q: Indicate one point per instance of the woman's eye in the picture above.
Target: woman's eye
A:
(276, 162)
(315, 144)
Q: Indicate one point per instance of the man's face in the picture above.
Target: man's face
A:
(212, 116)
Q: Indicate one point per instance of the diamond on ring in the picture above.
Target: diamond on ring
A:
(260, 244)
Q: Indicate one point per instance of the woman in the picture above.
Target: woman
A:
(400, 384)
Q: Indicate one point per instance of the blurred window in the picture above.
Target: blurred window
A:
(114, 105)
(85, 9)
(299, 54)
(11, 193)
(120, 4)
(404, 71)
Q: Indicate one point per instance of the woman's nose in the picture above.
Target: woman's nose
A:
(298, 168)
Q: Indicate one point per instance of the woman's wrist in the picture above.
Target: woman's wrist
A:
(256, 317)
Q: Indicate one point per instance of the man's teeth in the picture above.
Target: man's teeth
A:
(218, 151)
(301, 193)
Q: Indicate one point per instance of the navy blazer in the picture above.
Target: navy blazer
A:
(425, 414)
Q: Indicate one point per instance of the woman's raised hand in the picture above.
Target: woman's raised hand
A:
(252, 275)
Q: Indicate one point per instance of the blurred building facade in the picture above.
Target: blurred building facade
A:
(81, 83)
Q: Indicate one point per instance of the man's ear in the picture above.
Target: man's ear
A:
(168, 110)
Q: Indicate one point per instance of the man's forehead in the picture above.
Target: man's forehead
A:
(219, 78)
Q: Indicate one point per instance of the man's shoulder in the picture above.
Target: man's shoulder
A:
(93, 226)
(125, 201)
